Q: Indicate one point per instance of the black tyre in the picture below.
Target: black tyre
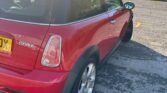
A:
(128, 34)
(86, 78)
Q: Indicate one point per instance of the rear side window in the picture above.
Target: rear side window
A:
(66, 11)
(113, 4)
(81, 9)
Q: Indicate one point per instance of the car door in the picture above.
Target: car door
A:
(118, 17)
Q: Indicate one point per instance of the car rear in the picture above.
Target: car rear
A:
(24, 24)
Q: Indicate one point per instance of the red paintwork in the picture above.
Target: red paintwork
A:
(22, 69)
(22, 57)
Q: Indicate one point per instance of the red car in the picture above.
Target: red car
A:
(54, 46)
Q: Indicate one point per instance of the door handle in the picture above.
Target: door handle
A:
(113, 21)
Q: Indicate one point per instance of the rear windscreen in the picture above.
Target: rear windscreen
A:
(25, 10)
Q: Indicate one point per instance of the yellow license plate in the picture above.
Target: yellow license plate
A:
(5, 44)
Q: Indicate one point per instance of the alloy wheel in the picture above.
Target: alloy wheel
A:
(87, 81)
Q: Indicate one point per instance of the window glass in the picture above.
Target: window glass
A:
(25, 10)
(112, 4)
(81, 9)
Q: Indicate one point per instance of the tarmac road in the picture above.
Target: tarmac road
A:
(139, 66)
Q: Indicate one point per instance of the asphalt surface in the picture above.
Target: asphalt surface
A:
(139, 66)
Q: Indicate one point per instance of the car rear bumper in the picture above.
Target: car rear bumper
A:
(32, 82)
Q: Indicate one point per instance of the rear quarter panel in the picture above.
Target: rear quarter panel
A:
(77, 38)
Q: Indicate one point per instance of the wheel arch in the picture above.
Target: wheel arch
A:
(90, 52)
(125, 26)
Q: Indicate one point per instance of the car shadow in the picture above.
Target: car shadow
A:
(133, 68)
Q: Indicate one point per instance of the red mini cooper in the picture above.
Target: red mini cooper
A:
(54, 46)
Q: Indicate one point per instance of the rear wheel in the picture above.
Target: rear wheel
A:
(128, 34)
(86, 79)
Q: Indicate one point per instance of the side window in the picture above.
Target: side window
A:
(112, 4)
(81, 9)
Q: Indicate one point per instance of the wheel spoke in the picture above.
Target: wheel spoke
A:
(90, 90)
(84, 77)
(81, 90)
(91, 68)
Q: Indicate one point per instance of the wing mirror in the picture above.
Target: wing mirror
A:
(129, 5)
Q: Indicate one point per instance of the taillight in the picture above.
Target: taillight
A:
(52, 53)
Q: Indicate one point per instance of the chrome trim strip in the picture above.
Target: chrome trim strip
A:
(78, 21)
(23, 21)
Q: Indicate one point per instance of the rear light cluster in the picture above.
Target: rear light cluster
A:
(52, 53)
